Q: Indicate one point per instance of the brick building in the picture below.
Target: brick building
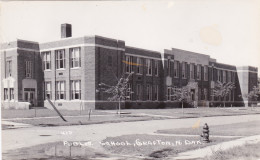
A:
(69, 70)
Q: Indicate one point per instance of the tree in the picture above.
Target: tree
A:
(251, 96)
(223, 89)
(181, 94)
(120, 91)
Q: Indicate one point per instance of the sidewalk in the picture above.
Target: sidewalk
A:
(207, 151)
(13, 125)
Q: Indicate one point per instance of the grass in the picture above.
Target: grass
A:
(235, 129)
(197, 112)
(247, 151)
(57, 121)
(155, 150)
(175, 112)
(7, 114)
(53, 151)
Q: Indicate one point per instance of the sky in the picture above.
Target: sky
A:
(228, 30)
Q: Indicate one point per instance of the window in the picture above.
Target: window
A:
(47, 90)
(176, 69)
(5, 93)
(149, 66)
(156, 68)
(139, 92)
(28, 69)
(75, 57)
(219, 76)
(233, 77)
(129, 91)
(139, 65)
(198, 72)
(109, 61)
(228, 76)
(206, 70)
(192, 68)
(156, 92)
(128, 64)
(168, 93)
(46, 60)
(60, 58)
(8, 68)
(149, 92)
(183, 68)
(11, 93)
(76, 89)
(204, 94)
(224, 76)
(169, 66)
(60, 90)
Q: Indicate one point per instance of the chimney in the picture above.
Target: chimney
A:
(66, 30)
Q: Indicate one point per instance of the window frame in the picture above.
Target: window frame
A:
(47, 91)
(45, 60)
(59, 91)
(149, 70)
(183, 70)
(139, 66)
(73, 57)
(28, 69)
(74, 90)
(58, 60)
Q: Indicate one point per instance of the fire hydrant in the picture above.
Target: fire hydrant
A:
(205, 134)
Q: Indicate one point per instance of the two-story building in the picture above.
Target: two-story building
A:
(69, 72)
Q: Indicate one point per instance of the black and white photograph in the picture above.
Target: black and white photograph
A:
(130, 80)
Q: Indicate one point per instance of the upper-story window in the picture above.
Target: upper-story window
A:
(219, 75)
(176, 69)
(228, 76)
(60, 58)
(192, 71)
(46, 60)
(28, 69)
(149, 66)
(139, 65)
(206, 74)
(75, 57)
(224, 76)
(169, 66)
(233, 77)
(183, 70)
(156, 67)
(109, 61)
(129, 64)
(199, 72)
(8, 68)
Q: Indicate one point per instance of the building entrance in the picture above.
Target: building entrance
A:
(29, 95)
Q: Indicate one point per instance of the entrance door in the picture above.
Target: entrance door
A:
(29, 95)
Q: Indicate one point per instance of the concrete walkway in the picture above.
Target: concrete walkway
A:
(207, 151)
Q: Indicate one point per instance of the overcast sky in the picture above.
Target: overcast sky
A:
(228, 30)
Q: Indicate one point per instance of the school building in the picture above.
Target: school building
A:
(69, 72)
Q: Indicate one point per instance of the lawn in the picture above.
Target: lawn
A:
(248, 152)
(155, 146)
(6, 114)
(53, 151)
(83, 120)
(235, 129)
(197, 112)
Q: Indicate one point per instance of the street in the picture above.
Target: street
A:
(26, 137)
